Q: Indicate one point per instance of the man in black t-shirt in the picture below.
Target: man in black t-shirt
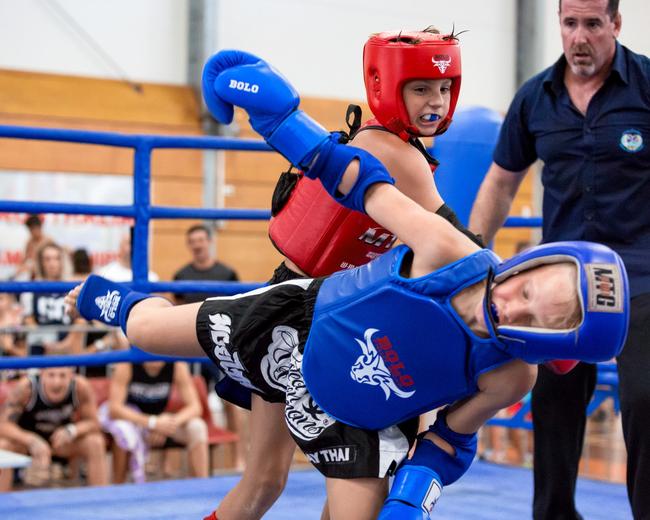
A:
(137, 411)
(203, 266)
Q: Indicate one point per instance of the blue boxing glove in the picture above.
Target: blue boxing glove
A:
(233, 77)
(419, 481)
(414, 492)
(238, 78)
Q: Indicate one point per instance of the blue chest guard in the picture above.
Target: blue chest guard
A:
(384, 348)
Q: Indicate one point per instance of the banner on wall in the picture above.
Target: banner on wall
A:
(99, 235)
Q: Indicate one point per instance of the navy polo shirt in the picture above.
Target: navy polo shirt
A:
(596, 172)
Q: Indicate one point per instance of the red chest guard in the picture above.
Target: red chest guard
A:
(320, 236)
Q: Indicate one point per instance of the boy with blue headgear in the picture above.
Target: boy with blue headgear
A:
(356, 357)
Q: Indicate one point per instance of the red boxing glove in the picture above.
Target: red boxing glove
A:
(561, 366)
(212, 516)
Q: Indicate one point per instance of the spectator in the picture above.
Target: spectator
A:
(82, 264)
(93, 341)
(204, 267)
(120, 270)
(53, 415)
(11, 343)
(37, 239)
(49, 308)
(586, 117)
(136, 418)
(496, 441)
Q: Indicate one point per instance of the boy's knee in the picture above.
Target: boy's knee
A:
(268, 480)
(271, 486)
(197, 432)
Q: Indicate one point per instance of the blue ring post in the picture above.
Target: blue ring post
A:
(142, 204)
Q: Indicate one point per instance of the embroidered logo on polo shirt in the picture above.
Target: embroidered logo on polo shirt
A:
(631, 141)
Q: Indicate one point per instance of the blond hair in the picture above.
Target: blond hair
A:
(569, 310)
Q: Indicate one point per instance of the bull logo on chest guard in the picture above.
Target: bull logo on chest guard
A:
(370, 368)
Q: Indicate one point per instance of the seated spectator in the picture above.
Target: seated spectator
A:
(507, 445)
(11, 343)
(92, 341)
(37, 239)
(49, 308)
(102, 341)
(136, 418)
(82, 264)
(53, 415)
(119, 271)
(205, 267)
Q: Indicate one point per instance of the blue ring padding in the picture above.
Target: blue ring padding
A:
(142, 212)
(209, 213)
(166, 212)
(523, 222)
(18, 206)
(134, 355)
(133, 140)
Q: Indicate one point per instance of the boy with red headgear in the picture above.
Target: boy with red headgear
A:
(412, 82)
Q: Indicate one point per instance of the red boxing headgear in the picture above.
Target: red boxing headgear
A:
(390, 59)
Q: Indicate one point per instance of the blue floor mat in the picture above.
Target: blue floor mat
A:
(487, 492)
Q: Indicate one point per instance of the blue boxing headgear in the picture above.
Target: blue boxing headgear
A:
(603, 297)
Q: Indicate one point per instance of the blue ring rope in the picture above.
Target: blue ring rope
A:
(133, 355)
(142, 212)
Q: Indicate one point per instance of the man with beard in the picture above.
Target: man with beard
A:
(586, 117)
